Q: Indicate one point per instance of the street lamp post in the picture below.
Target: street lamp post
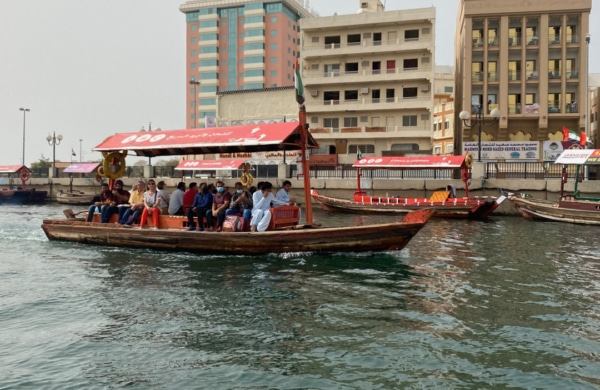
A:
(80, 155)
(54, 140)
(465, 116)
(195, 84)
(588, 129)
(25, 111)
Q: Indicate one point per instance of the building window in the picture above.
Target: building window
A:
(274, 46)
(446, 125)
(254, 73)
(333, 123)
(208, 23)
(409, 92)
(273, 19)
(364, 149)
(207, 11)
(253, 6)
(351, 68)
(448, 89)
(375, 96)
(353, 39)
(331, 97)
(254, 32)
(274, 7)
(208, 76)
(209, 49)
(409, 120)
(411, 63)
(209, 62)
(449, 148)
(273, 73)
(254, 46)
(351, 121)
(254, 59)
(405, 148)
(273, 33)
(254, 86)
(390, 95)
(332, 42)
(209, 37)
(253, 19)
(411, 35)
(273, 60)
(208, 101)
(208, 88)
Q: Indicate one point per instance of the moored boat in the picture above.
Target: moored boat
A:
(571, 208)
(74, 197)
(444, 203)
(19, 194)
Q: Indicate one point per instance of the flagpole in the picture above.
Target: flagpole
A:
(305, 165)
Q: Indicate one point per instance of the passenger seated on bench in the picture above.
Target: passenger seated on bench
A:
(261, 214)
(152, 201)
(283, 197)
(241, 203)
(221, 201)
(104, 200)
(452, 190)
(202, 205)
(120, 197)
(176, 200)
(136, 205)
(189, 196)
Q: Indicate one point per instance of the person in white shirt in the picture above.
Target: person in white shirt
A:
(176, 201)
(283, 195)
(163, 197)
(261, 214)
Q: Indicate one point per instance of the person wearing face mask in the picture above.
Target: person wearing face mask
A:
(221, 201)
(241, 203)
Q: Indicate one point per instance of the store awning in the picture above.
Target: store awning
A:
(224, 164)
(247, 138)
(413, 162)
(82, 167)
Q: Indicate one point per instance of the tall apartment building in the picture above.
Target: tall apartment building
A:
(594, 92)
(237, 44)
(526, 58)
(443, 111)
(368, 80)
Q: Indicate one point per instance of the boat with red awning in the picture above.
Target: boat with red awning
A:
(444, 203)
(19, 194)
(286, 235)
(76, 197)
(571, 208)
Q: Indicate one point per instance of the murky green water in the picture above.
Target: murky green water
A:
(509, 303)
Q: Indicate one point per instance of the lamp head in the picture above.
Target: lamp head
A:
(464, 115)
(49, 138)
(59, 138)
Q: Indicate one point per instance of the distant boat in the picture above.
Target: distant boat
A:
(572, 208)
(74, 197)
(445, 204)
(20, 194)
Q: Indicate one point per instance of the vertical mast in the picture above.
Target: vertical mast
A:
(305, 164)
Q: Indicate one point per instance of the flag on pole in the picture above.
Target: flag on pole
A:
(298, 84)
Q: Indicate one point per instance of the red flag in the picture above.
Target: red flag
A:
(583, 139)
(565, 131)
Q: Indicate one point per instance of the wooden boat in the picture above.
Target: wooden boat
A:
(169, 235)
(444, 204)
(571, 208)
(20, 194)
(383, 237)
(74, 198)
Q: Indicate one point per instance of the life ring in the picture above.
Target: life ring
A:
(246, 179)
(100, 171)
(25, 175)
(468, 160)
(114, 165)
(98, 177)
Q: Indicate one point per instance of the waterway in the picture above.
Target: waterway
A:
(507, 303)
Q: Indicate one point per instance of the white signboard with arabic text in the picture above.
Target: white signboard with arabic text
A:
(504, 150)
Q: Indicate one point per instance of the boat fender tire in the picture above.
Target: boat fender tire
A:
(114, 165)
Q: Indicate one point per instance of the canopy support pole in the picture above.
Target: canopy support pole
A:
(305, 164)
(358, 189)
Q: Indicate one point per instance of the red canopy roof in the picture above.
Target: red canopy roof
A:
(224, 164)
(13, 168)
(419, 162)
(247, 138)
(82, 168)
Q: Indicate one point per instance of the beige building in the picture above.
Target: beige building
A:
(368, 80)
(595, 109)
(257, 106)
(529, 60)
(443, 111)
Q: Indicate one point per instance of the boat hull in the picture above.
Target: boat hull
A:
(23, 196)
(384, 237)
(585, 213)
(465, 208)
(74, 198)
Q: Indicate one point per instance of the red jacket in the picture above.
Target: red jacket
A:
(188, 197)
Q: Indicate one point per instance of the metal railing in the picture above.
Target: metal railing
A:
(347, 171)
(525, 170)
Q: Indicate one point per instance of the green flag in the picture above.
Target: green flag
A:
(298, 84)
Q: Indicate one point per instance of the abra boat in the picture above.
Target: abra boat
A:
(19, 194)
(443, 203)
(287, 237)
(571, 208)
(75, 197)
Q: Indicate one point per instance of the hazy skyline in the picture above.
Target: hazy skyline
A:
(88, 69)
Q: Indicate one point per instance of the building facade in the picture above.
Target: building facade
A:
(443, 111)
(237, 44)
(594, 91)
(270, 105)
(529, 60)
(368, 80)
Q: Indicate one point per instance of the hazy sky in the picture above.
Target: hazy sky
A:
(89, 68)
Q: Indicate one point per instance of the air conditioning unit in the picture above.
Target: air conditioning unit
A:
(364, 91)
(314, 92)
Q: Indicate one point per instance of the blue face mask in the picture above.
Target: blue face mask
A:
(220, 189)
(239, 191)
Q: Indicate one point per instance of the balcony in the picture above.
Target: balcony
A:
(373, 132)
(316, 50)
(532, 75)
(571, 108)
(554, 39)
(477, 77)
(533, 41)
(477, 43)
(492, 77)
(554, 75)
(572, 75)
(514, 76)
(367, 75)
(493, 43)
(553, 108)
(514, 109)
(368, 103)
(514, 42)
